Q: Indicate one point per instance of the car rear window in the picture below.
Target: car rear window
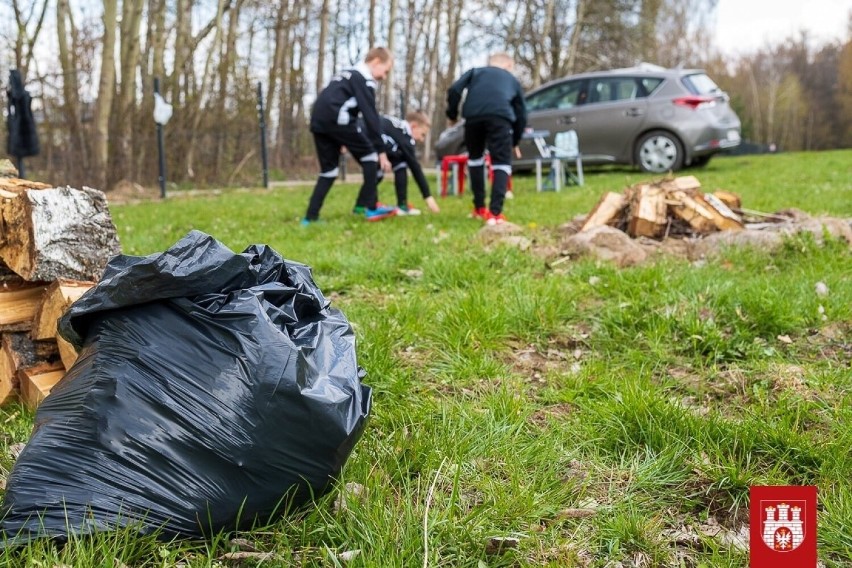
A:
(649, 85)
(700, 84)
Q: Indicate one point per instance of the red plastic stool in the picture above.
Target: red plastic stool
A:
(459, 161)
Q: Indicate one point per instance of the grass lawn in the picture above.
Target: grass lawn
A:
(598, 415)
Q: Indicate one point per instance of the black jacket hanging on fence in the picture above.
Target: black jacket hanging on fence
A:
(23, 138)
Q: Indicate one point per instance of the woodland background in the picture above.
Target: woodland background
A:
(90, 67)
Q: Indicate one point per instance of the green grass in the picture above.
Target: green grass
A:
(508, 394)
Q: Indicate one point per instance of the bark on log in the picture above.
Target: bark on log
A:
(19, 352)
(55, 233)
(8, 278)
(56, 300)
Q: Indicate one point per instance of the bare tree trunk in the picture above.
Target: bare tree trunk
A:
(556, 54)
(388, 87)
(454, 19)
(131, 21)
(648, 30)
(371, 25)
(24, 41)
(157, 41)
(183, 38)
(201, 94)
(227, 64)
(106, 93)
(432, 88)
(576, 31)
(70, 84)
(323, 38)
(755, 102)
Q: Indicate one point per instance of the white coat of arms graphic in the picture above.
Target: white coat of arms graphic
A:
(783, 527)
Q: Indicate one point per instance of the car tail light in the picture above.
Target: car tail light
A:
(696, 102)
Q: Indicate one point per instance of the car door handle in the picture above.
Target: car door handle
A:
(634, 112)
(567, 120)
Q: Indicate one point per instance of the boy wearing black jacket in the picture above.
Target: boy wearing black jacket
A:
(495, 116)
(334, 124)
(400, 138)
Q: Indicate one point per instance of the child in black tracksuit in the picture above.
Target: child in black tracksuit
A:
(400, 137)
(334, 124)
(495, 116)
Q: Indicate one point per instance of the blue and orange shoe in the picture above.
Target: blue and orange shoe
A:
(379, 213)
(361, 209)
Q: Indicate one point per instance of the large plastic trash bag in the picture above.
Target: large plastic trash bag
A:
(213, 389)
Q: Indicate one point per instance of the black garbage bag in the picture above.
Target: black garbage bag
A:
(213, 390)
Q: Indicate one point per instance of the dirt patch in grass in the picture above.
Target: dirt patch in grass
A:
(538, 365)
(543, 416)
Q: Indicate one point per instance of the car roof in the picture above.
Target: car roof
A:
(640, 69)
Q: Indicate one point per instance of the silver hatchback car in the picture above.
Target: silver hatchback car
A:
(654, 118)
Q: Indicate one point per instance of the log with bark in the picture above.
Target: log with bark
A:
(60, 232)
(19, 353)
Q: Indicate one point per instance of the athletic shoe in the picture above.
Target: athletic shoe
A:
(406, 210)
(495, 219)
(379, 213)
(479, 213)
(361, 210)
(307, 222)
(510, 194)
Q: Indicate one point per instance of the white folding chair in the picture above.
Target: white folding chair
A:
(566, 146)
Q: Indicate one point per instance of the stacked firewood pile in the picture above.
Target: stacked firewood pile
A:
(54, 245)
(668, 207)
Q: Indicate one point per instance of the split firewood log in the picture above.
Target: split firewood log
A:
(60, 232)
(607, 211)
(56, 300)
(37, 382)
(648, 212)
(19, 352)
(18, 305)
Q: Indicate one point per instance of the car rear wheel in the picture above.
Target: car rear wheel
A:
(659, 151)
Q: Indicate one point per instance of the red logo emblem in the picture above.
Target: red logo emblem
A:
(783, 527)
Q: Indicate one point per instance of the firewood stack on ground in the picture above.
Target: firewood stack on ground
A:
(54, 245)
(668, 207)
